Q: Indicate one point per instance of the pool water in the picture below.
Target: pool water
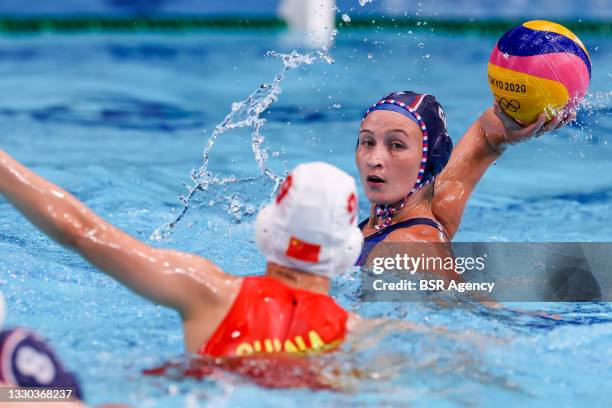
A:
(120, 121)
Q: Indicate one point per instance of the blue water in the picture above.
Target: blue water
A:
(118, 121)
(521, 9)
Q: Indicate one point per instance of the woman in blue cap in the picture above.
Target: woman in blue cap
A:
(404, 146)
(27, 363)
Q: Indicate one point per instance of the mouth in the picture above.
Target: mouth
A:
(375, 180)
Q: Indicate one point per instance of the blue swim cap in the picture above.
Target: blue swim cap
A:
(26, 360)
(427, 113)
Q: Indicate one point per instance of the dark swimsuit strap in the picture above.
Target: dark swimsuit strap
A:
(382, 234)
(371, 240)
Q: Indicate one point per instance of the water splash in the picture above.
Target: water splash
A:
(246, 113)
(594, 113)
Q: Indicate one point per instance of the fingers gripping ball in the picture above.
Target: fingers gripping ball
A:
(539, 66)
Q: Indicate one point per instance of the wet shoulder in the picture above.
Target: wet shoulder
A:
(417, 233)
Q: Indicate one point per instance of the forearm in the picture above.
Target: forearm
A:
(176, 279)
(56, 212)
(476, 151)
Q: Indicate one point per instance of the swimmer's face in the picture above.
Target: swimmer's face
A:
(388, 156)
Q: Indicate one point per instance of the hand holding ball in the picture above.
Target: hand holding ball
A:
(539, 66)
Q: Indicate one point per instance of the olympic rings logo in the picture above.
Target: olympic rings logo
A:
(510, 105)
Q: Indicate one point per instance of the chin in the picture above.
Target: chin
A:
(377, 197)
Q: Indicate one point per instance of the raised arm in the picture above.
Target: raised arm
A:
(480, 146)
(179, 280)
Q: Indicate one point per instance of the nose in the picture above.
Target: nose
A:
(375, 158)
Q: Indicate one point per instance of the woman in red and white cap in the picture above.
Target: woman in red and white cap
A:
(308, 234)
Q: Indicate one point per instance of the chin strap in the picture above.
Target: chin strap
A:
(385, 212)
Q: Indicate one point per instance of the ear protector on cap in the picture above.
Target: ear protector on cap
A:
(439, 154)
(347, 255)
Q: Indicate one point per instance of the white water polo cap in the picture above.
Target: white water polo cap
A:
(312, 223)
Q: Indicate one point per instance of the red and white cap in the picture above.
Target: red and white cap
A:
(312, 223)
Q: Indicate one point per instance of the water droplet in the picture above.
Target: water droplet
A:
(426, 56)
(370, 56)
(245, 113)
(346, 18)
(421, 45)
(337, 106)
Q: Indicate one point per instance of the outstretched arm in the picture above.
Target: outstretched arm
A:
(479, 147)
(179, 280)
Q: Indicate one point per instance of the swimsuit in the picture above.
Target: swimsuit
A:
(370, 241)
(269, 316)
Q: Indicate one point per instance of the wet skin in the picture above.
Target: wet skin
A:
(390, 148)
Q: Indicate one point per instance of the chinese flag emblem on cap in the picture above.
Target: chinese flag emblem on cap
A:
(302, 250)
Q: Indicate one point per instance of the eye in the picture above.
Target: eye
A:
(367, 143)
(396, 145)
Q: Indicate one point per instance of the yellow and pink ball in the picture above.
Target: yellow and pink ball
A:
(539, 66)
